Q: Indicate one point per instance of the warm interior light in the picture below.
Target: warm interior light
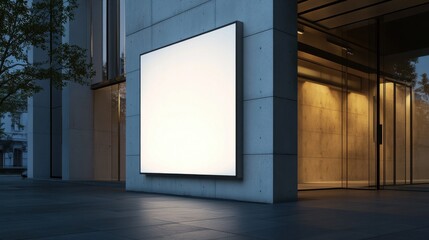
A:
(188, 106)
(300, 30)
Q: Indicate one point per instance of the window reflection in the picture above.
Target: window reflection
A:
(420, 122)
(406, 59)
(108, 40)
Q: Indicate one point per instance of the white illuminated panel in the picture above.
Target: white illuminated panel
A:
(188, 106)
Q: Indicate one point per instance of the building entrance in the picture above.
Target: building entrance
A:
(337, 127)
(363, 100)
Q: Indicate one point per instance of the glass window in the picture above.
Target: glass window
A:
(109, 133)
(108, 40)
(406, 60)
(13, 139)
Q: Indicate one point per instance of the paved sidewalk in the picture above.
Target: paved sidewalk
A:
(31, 209)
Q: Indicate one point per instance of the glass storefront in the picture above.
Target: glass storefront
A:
(363, 102)
(108, 54)
(335, 112)
(109, 133)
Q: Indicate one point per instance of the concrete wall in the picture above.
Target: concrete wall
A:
(270, 92)
(39, 130)
(77, 114)
(320, 133)
(72, 118)
(38, 127)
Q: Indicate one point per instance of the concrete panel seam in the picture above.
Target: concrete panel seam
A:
(259, 98)
(256, 33)
(258, 154)
(136, 70)
(132, 115)
(245, 36)
(284, 98)
(279, 30)
(215, 19)
(132, 155)
(153, 24)
(285, 154)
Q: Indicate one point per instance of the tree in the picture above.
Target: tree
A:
(423, 85)
(405, 70)
(37, 24)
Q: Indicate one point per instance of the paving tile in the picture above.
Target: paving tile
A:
(234, 224)
(415, 234)
(155, 231)
(31, 231)
(84, 236)
(197, 235)
(40, 209)
(238, 237)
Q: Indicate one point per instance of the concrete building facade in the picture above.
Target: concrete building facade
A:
(13, 145)
(329, 101)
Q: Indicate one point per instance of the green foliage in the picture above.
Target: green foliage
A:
(2, 134)
(40, 26)
(423, 87)
(405, 70)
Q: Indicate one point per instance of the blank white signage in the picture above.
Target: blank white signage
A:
(188, 106)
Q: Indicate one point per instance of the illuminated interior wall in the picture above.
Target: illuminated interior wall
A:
(331, 149)
(335, 112)
(359, 137)
(320, 133)
(336, 104)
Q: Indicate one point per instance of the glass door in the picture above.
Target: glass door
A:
(395, 117)
(336, 111)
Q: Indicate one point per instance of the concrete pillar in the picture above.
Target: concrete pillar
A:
(77, 111)
(269, 92)
(285, 96)
(44, 161)
(38, 138)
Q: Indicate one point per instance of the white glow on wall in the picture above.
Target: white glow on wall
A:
(188, 106)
